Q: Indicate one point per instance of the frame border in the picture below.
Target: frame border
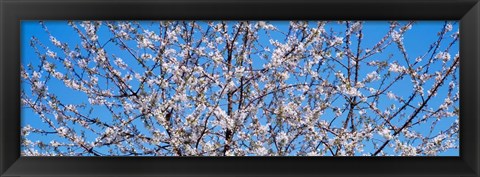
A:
(13, 11)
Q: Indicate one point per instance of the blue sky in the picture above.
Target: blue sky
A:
(416, 42)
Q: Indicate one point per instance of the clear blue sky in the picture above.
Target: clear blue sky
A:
(416, 41)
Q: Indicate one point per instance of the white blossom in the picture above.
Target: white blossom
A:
(386, 133)
(445, 56)
(394, 67)
(51, 54)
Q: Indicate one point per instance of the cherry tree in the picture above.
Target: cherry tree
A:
(246, 88)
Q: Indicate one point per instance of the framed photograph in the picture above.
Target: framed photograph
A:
(239, 88)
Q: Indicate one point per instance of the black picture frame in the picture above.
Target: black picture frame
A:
(13, 11)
